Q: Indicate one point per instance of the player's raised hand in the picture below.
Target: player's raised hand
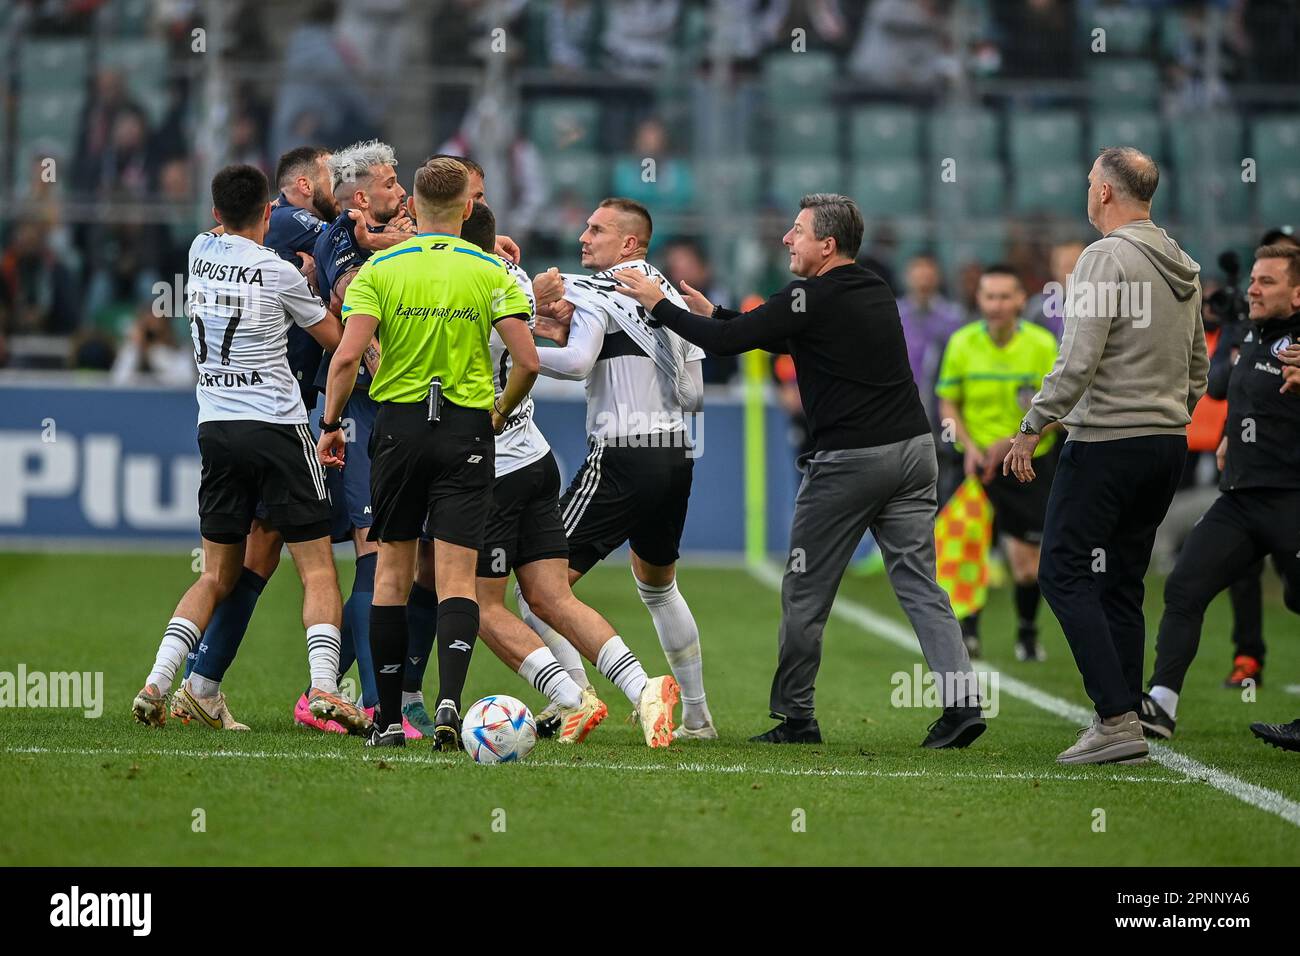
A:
(308, 268)
(637, 285)
(506, 249)
(548, 286)
(331, 448)
(695, 300)
(1290, 355)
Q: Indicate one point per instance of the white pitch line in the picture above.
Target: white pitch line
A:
(895, 632)
(702, 768)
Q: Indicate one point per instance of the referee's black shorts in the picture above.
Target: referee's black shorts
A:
(1020, 510)
(431, 477)
(633, 494)
(523, 523)
(245, 462)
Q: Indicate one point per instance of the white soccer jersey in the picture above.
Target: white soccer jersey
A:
(626, 392)
(241, 300)
(521, 442)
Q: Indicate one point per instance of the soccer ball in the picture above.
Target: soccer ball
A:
(498, 729)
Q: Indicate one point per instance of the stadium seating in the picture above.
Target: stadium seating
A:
(1275, 143)
(971, 135)
(890, 189)
(1207, 139)
(885, 132)
(53, 65)
(794, 178)
(580, 176)
(1128, 27)
(565, 124)
(48, 120)
(1128, 83)
(144, 65)
(1116, 128)
(978, 190)
(1044, 138)
(1055, 190)
(805, 132)
(1279, 197)
(737, 181)
(792, 79)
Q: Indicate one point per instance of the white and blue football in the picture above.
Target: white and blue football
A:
(498, 729)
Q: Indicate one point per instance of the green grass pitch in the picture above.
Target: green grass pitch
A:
(106, 791)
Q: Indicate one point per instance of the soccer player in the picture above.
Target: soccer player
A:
(1258, 512)
(991, 369)
(434, 300)
(305, 194)
(525, 533)
(254, 443)
(364, 179)
(636, 481)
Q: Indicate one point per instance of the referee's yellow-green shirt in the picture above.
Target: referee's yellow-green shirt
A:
(992, 385)
(436, 297)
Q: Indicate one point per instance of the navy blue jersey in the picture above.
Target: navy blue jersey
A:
(291, 231)
(336, 252)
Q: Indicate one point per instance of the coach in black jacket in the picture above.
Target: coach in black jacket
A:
(873, 459)
(1259, 511)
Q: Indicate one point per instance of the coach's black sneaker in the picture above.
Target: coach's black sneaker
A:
(1286, 736)
(394, 736)
(792, 730)
(446, 727)
(958, 727)
(1156, 721)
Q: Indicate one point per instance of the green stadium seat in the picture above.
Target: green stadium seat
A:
(738, 182)
(1115, 83)
(888, 189)
(144, 63)
(970, 135)
(1128, 28)
(794, 178)
(1058, 189)
(1127, 129)
(129, 17)
(1229, 196)
(986, 249)
(53, 64)
(978, 190)
(1215, 139)
(1279, 197)
(795, 78)
(806, 132)
(48, 120)
(1044, 138)
(885, 132)
(1275, 143)
(582, 176)
(561, 124)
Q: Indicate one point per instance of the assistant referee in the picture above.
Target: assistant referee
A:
(432, 302)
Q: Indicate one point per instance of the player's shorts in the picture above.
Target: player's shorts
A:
(434, 477)
(244, 461)
(349, 487)
(637, 495)
(1019, 510)
(524, 523)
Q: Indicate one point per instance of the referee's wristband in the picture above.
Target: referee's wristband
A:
(327, 427)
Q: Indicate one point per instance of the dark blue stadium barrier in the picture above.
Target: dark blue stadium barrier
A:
(122, 465)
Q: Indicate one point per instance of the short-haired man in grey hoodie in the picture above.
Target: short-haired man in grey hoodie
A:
(1131, 367)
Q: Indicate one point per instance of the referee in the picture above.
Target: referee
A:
(873, 461)
(432, 300)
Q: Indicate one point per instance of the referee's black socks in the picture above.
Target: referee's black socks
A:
(387, 648)
(1028, 597)
(457, 631)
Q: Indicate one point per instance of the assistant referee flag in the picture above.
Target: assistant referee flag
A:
(436, 297)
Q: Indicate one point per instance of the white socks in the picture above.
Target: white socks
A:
(543, 671)
(180, 637)
(679, 636)
(622, 669)
(323, 643)
(411, 697)
(201, 686)
(1167, 699)
(565, 653)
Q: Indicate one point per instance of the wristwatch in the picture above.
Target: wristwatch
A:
(327, 427)
(1026, 428)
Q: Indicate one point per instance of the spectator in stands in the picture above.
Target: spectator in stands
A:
(639, 36)
(826, 21)
(108, 100)
(571, 34)
(1037, 38)
(685, 261)
(1049, 310)
(665, 183)
(905, 45)
(38, 293)
(151, 355)
(928, 320)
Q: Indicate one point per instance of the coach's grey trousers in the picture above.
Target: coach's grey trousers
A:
(889, 489)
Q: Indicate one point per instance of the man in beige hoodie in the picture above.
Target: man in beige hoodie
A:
(1131, 367)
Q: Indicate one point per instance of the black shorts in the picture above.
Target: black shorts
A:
(245, 462)
(431, 476)
(524, 523)
(637, 495)
(1019, 510)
